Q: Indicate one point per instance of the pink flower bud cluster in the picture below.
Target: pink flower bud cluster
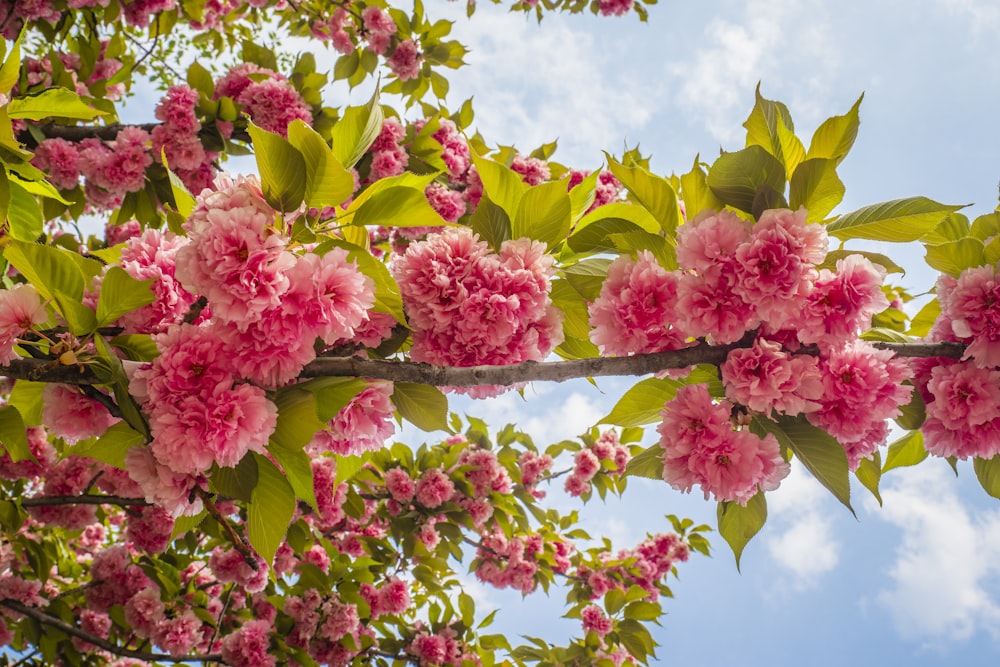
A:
(328, 628)
(533, 170)
(645, 565)
(469, 306)
(378, 28)
(406, 59)
(605, 454)
(534, 468)
(509, 562)
(266, 96)
(388, 157)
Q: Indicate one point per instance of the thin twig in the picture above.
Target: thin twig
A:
(100, 642)
(249, 557)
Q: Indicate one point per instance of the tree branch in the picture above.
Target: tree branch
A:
(100, 642)
(81, 132)
(39, 370)
(85, 499)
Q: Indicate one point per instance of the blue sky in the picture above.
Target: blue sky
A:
(916, 581)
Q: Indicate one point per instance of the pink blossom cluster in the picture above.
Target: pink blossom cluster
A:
(334, 29)
(200, 415)
(328, 628)
(269, 306)
(15, 13)
(153, 256)
(70, 414)
(454, 149)
(39, 72)
(533, 171)
(766, 378)
(701, 446)
(644, 565)
(963, 397)
(534, 468)
(43, 457)
(406, 59)
(361, 426)
(378, 28)
(469, 306)
(450, 204)
(270, 100)
(607, 190)
(509, 562)
(137, 12)
(614, 7)
(605, 454)
(177, 137)
(112, 169)
(440, 649)
(388, 157)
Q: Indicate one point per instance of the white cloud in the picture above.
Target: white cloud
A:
(771, 37)
(533, 84)
(798, 534)
(983, 15)
(938, 591)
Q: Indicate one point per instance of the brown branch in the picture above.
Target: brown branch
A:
(241, 546)
(81, 132)
(85, 499)
(39, 370)
(100, 642)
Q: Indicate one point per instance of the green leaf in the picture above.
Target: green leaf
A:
(297, 421)
(491, 223)
(12, 434)
(816, 186)
(907, 451)
(823, 456)
(503, 185)
(24, 214)
(120, 294)
(119, 385)
(899, 220)
(282, 169)
(988, 474)
(112, 447)
(356, 130)
(200, 79)
(270, 511)
(349, 466)
(835, 136)
(770, 126)
(648, 464)
(696, 194)
(327, 182)
(875, 258)
(333, 393)
(654, 193)
(869, 472)
(52, 103)
(751, 180)
(58, 275)
(138, 347)
(913, 413)
(955, 256)
(237, 482)
(643, 403)
(297, 466)
(399, 206)
(738, 524)
(183, 198)
(26, 396)
(11, 68)
(543, 214)
(422, 405)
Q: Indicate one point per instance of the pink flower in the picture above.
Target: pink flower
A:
(234, 259)
(248, 646)
(330, 294)
(765, 378)
(842, 304)
(594, 620)
(239, 78)
(21, 309)
(533, 171)
(273, 104)
(434, 488)
(161, 485)
(73, 416)
(178, 635)
(708, 243)
(362, 425)
(153, 256)
(229, 565)
(448, 203)
(614, 7)
(861, 386)
(700, 447)
(405, 60)
(776, 264)
(61, 160)
(150, 529)
(708, 306)
(400, 485)
(973, 305)
(144, 610)
(636, 309)
(964, 394)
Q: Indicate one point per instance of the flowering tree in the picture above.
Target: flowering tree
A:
(199, 405)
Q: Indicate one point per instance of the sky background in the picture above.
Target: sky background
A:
(916, 581)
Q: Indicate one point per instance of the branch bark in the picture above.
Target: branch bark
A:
(39, 370)
(100, 642)
(85, 499)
